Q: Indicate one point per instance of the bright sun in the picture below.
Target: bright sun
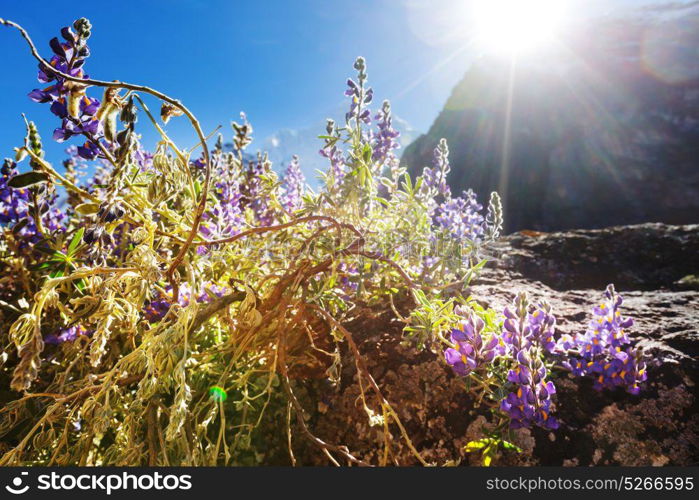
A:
(513, 26)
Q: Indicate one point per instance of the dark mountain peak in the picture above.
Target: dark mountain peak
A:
(602, 129)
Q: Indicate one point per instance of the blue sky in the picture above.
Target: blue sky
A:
(282, 62)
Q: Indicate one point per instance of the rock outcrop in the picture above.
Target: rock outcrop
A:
(569, 269)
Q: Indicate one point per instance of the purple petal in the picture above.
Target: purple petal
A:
(68, 34)
(38, 95)
(61, 135)
(91, 127)
(57, 48)
(452, 356)
(59, 108)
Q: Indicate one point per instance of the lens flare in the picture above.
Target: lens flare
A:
(218, 393)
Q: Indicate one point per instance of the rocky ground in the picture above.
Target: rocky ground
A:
(652, 265)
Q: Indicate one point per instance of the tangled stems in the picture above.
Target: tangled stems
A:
(266, 229)
(201, 205)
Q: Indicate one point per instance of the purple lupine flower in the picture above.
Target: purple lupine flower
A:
(461, 217)
(603, 350)
(436, 177)
(359, 94)
(333, 153)
(384, 141)
(530, 405)
(199, 163)
(14, 203)
(68, 334)
(88, 151)
(526, 335)
(15, 207)
(524, 327)
(516, 329)
(224, 218)
(625, 369)
(252, 189)
(78, 113)
(543, 326)
(53, 219)
(210, 292)
(159, 306)
(293, 184)
(143, 158)
(469, 351)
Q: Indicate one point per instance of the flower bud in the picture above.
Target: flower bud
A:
(110, 213)
(92, 234)
(83, 27)
(129, 113)
(20, 154)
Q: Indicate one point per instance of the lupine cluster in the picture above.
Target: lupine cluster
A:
(79, 114)
(14, 203)
(360, 95)
(527, 335)
(461, 218)
(226, 217)
(385, 140)
(294, 184)
(470, 351)
(435, 177)
(604, 350)
(15, 208)
(253, 189)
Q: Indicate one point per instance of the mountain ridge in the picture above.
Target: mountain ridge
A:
(603, 130)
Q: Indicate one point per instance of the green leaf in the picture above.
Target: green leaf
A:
(367, 153)
(472, 446)
(511, 446)
(87, 208)
(75, 242)
(418, 184)
(28, 179)
(407, 184)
